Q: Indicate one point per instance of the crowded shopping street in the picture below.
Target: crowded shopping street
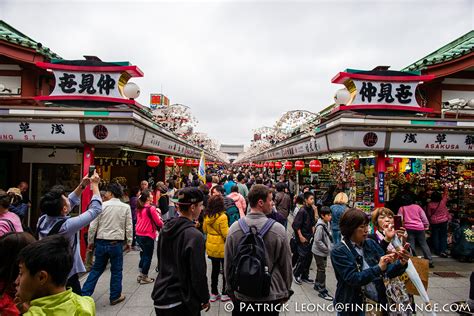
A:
(236, 158)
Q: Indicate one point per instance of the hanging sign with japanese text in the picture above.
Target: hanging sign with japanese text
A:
(102, 83)
(381, 90)
(36, 132)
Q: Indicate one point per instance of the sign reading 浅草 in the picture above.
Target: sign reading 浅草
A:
(431, 142)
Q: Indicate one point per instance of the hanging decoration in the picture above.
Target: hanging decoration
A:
(152, 161)
(180, 162)
(315, 165)
(189, 163)
(278, 165)
(195, 163)
(271, 165)
(169, 161)
(299, 165)
(288, 165)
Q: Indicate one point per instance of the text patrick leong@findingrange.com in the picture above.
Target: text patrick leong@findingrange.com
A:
(344, 307)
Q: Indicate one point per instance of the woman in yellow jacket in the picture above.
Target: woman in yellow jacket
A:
(216, 227)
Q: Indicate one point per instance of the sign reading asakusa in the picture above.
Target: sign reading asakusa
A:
(86, 82)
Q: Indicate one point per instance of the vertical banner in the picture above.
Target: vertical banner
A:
(381, 187)
(202, 168)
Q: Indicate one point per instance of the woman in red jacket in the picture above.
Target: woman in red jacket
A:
(148, 223)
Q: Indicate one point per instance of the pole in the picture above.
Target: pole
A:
(379, 194)
(87, 161)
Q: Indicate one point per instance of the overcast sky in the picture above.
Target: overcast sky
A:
(240, 64)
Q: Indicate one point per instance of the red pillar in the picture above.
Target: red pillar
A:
(87, 160)
(380, 180)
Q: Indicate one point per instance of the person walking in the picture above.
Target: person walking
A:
(322, 246)
(282, 201)
(416, 223)
(108, 233)
(276, 260)
(303, 227)
(243, 190)
(148, 222)
(9, 221)
(438, 216)
(337, 209)
(181, 287)
(229, 184)
(216, 228)
(56, 220)
(134, 193)
(239, 200)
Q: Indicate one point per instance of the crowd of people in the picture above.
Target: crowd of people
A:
(239, 219)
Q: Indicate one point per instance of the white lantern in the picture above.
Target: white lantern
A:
(470, 104)
(131, 90)
(342, 97)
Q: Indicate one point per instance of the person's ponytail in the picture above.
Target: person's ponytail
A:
(143, 198)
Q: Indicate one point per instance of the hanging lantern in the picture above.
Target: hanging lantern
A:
(195, 163)
(180, 162)
(188, 163)
(299, 165)
(169, 161)
(315, 165)
(288, 165)
(265, 164)
(278, 165)
(271, 165)
(152, 161)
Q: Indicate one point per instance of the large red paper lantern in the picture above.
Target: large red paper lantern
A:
(315, 165)
(271, 165)
(189, 163)
(299, 165)
(288, 165)
(195, 163)
(169, 161)
(265, 164)
(278, 165)
(180, 162)
(152, 161)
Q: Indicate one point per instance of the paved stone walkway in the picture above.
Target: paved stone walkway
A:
(138, 301)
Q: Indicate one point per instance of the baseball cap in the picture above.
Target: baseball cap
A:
(189, 195)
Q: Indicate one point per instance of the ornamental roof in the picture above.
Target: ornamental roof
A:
(457, 48)
(12, 35)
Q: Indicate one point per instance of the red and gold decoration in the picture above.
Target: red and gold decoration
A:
(153, 161)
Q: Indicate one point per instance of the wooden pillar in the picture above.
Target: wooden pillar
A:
(87, 160)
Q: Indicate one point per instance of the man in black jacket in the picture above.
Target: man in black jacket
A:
(181, 287)
(303, 227)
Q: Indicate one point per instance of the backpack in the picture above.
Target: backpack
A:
(11, 227)
(231, 210)
(249, 270)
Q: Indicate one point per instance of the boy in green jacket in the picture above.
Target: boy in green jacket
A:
(41, 283)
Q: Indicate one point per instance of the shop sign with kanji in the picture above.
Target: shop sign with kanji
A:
(369, 91)
(94, 83)
(412, 141)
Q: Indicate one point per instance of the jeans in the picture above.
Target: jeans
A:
(305, 257)
(321, 264)
(439, 235)
(419, 236)
(336, 236)
(105, 250)
(146, 254)
(217, 263)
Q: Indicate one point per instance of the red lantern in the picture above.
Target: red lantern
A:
(189, 163)
(299, 165)
(180, 162)
(169, 161)
(278, 165)
(265, 164)
(195, 163)
(315, 165)
(288, 165)
(271, 165)
(356, 164)
(152, 161)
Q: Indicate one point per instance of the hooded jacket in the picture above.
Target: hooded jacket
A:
(64, 303)
(182, 265)
(239, 202)
(322, 243)
(216, 227)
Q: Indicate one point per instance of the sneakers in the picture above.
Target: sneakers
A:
(214, 297)
(318, 287)
(120, 299)
(431, 265)
(325, 295)
(225, 298)
(297, 280)
(307, 280)
(443, 255)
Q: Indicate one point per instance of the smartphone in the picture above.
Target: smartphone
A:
(397, 222)
(91, 171)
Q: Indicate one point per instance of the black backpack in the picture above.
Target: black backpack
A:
(249, 270)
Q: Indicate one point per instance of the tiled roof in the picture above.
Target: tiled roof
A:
(11, 35)
(457, 48)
